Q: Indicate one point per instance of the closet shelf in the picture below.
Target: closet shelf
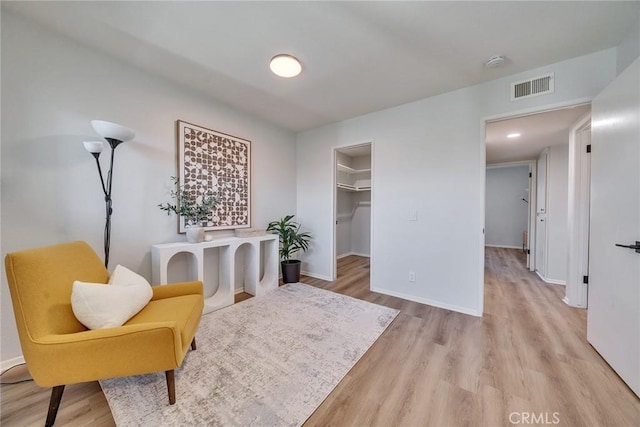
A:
(348, 187)
(347, 169)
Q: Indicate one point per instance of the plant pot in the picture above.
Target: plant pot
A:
(195, 234)
(291, 270)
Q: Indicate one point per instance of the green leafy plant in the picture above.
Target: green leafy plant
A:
(291, 239)
(193, 209)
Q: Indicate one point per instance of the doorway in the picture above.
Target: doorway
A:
(508, 201)
(540, 139)
(352, 208)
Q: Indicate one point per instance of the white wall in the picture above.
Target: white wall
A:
(428, 157)
(506, 213)
(343, 225)
(344, 208)
(361, 224)
(353, 229)
(51, 88)
(629, 49)
(557, 202)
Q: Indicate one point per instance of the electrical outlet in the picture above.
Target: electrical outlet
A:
(412, 276)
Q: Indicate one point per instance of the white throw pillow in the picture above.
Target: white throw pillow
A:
(99, 306)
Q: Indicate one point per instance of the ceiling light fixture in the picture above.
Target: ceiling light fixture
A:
(513, 135)
(494, 61)
(284, 65)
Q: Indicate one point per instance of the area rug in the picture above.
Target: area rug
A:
(267, 361)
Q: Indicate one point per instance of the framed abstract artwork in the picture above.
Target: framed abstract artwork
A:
(216, 161)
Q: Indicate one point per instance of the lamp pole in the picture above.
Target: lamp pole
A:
(108, 131)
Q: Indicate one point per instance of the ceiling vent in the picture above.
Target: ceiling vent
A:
(532, 87)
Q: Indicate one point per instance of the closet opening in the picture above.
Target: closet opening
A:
(352, 210)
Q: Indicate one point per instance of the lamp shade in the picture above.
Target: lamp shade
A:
(94, 147)
(112, 130)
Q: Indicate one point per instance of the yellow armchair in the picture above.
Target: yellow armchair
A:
(59, 350)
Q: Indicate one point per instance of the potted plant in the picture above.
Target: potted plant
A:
(194, 209)
(291, 241)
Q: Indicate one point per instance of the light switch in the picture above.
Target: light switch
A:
(413, 215)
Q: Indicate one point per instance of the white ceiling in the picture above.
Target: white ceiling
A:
(357, 57)
(537, 131)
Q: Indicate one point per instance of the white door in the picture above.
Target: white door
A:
(541, 176)
(613, 319)
(541, 215)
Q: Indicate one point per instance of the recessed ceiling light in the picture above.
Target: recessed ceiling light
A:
(513, 135)
(284, 65)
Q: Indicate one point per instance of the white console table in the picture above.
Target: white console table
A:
(261, 251)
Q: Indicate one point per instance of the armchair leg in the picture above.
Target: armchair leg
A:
(54, 404)
(171, 386)
(193, 344)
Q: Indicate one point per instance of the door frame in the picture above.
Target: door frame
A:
(578, 214)
(533, 190)
(483, 164)
(334, 207)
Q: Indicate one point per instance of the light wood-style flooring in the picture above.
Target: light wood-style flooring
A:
(526, 359)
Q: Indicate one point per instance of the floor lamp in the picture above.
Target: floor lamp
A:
(115, 135)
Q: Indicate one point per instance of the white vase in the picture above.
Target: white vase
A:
(195, 234)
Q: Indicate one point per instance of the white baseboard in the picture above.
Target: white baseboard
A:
(353, 253)
(316, 276)
(10, 363)
(426, 301)
(362, 255)
(566, 301)
(239, 291)
(504, 246)
(551, 281)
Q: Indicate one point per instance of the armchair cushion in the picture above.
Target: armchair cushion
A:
(122, 276)
(185, 310)
(99, 306)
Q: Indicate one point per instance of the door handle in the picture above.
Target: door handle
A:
(636, 246)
